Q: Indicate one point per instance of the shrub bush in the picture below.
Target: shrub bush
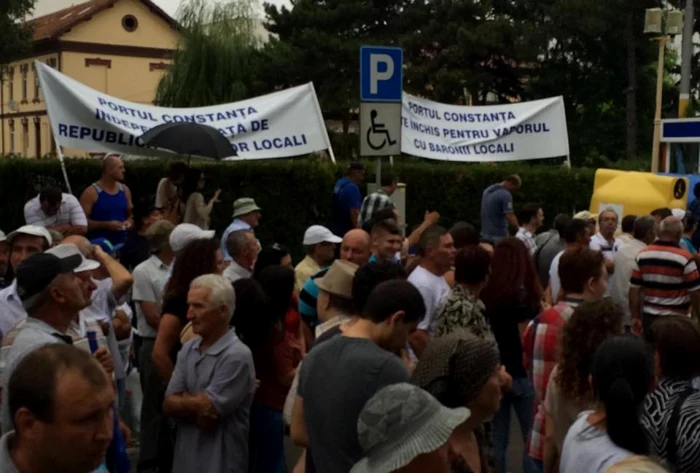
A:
(297, 193)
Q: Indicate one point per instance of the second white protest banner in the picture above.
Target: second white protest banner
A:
(281, 124)
(510, 132)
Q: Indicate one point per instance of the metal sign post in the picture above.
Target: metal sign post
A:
(381, 91)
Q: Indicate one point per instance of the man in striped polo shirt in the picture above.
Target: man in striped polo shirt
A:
(665, 279)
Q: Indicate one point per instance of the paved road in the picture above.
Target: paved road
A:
(292, 452)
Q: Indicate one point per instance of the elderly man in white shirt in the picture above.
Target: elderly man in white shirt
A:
(619, 282)
(244, 250)
(57, 211)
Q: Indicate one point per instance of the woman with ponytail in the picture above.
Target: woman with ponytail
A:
(622, 375)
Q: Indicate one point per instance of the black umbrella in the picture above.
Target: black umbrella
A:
(189, 139)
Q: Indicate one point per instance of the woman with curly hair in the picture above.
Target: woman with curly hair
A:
(512, 297)
(197, 258)
(569, 392)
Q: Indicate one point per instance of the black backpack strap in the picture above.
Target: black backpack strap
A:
(672, 429)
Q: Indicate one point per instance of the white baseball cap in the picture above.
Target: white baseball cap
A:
(2, 236)
(186, 233)
(68, 250)
(678, 213)
(33, 230)
(318, 234)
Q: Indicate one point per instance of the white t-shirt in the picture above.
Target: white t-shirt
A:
(434, 290)
(166, 193)
(599, 243)
(587, 449)
(554, 276)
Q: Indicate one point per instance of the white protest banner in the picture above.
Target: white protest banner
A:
(511, 132)
(281, 124)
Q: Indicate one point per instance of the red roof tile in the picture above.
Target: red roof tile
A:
(56, 24)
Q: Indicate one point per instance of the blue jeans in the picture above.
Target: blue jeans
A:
(266, 440)
(521, 398)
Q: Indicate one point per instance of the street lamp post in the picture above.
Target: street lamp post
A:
(654, 25)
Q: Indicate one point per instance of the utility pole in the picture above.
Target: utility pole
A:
(686, 58)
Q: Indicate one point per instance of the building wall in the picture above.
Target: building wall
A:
(106, 28)
(100, 53)
(24, 126)
(130, 78)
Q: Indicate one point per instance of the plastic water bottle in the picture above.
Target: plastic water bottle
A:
(92, 341)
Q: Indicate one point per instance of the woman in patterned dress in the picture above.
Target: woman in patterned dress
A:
(463, 310)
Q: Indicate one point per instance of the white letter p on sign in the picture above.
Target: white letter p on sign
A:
(375, 76)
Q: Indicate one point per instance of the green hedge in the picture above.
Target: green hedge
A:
(296, 193)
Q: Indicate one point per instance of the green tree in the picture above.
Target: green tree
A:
(15, 36)
(459, 47)
(319, 41)
(595, 55)
(218, 58)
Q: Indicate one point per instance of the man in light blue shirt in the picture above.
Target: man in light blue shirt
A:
(246, 216)
(212, 387)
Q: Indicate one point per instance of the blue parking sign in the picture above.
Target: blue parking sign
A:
(381, 74)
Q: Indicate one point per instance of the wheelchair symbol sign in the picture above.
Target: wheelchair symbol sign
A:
(380, 129)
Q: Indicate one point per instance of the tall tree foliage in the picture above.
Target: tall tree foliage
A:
(477, 47)
(218, 58)
(596, 56)
(319, 41)
(15, 36)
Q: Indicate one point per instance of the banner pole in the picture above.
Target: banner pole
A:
(323, 124)
(59, 150)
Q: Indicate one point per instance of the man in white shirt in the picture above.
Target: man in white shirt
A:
(605, 241)
(26, 241)
(57, 211)
(532, 217)
(437, 251)
(150, 279)
(246, 216)
(243, 249)
(619, 283)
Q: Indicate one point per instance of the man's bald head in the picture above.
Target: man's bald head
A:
(671, 229)
(81, 242)
(355, 247)
(113, 167)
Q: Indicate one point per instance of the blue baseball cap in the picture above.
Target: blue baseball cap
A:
(107, 245)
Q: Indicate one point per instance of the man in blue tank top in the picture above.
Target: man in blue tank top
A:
(107, 203)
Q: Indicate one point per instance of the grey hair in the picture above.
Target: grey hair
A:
(671, 226)
(222, 292)
(610, 209)
(236, 241)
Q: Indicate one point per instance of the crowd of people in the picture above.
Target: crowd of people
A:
(376, 352)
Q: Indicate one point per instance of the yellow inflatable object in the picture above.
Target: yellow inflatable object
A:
(637, 193)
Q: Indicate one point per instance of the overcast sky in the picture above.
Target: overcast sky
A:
(44, 7)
